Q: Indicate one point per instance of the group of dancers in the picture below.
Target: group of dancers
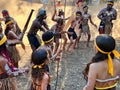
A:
(50, 46)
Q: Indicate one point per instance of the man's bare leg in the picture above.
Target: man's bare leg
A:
(70, 44)
(55, 48)
(88, 40)
(64, 43)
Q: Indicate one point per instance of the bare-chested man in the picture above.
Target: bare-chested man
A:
(85, 27)
(38, 24)
(58, 31)
(7, 18)
(107, 15)
(72, 34)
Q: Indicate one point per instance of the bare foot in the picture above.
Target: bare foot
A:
(75, 47)
(87, 45)
(58, 58)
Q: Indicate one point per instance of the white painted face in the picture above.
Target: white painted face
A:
(85, 9)
(109, 6)
(78, 16)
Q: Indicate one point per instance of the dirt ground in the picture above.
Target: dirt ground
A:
(72, 64)
(70, 68)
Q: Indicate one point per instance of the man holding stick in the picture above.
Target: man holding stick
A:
(36, 25)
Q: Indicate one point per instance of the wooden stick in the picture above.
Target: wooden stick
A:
(64, 8)
(27, 22)
(54, 4)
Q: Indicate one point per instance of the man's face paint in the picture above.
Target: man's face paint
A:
(85, 9)
(109, 6)
(5, 14)
(78, 16)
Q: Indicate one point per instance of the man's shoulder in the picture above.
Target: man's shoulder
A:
(39, 22)
(36, 21)
(104, 9)
(88, 14)
(113, 9)
(11, 18)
